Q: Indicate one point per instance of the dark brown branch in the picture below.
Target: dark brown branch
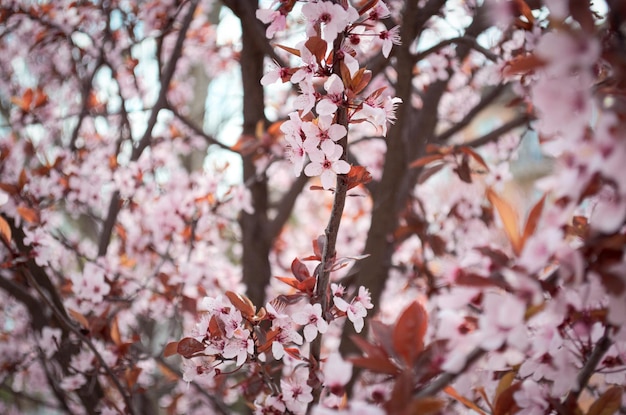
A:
(161, 102)
(168, 74)
(286, 204)
(465, 40)
(69, 326)
(445, 379)
(469, 117)
(601, 347)
(196, 129)
(503, 129)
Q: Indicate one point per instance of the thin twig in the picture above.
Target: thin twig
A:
(444, 380)
(520, 121)
(161, 102)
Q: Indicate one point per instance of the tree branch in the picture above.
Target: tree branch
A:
(196, 129)
(590, 366)
(161, 102)
(444, 380)
(469, 117)
(503, 129)
(285, 206)
(465, 40)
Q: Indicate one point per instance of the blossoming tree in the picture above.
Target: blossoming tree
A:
(410, 207)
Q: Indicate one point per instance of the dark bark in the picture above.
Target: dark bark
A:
(255, 227)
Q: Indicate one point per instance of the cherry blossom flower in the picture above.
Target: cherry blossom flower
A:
(90, 284)
(275, 74)
(296, 393)
(310, 316)
(306, 100)
(285, 336)
(389, 38)
(276, 18)
(337, 373)
(271, 405)
(310, 67)
(355, 311)
(532, 398)
(334, 96)
(239, 346)
(72, 382)
(323, 129)
(333, 17)
(326, 163)
(50, 340)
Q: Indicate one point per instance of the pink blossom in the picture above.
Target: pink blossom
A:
(355, 311)
(310, 316)
(296, 394)
(286, 336)
(310, 67)
(326, 163)
(334, 96)
(72, 382)
(90, 284)
(239, 347)
(389, 38)
(277, 20)
(323, 129)
(333, 18)
(337, 373)
(532, 398)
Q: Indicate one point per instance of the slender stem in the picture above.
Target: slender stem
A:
(322, 289)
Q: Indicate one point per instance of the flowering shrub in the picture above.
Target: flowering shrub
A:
(405, 139)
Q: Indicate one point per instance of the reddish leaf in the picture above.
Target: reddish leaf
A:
(28, 214)
(375, 364)
(170, 349)
(521, 65)
(317, 46)
(114, 332)
(383, 334)
(505, 403)
(471, 279)
(79, 318)
(361, 79)
(533, 220)
(367, 348)
(581, 12)
(288, 49)
(471, 405)
(429, 172)
(292, 282)
(607, 404)
(300, 271)
(422, 161)
(409, 332)
(242, 303)
(358, 175)
(524, 10)
(188, 347)
(400, 394)
(505, 382)
(509, 220)
(425, 406)
(5, 230)
(477, 157)
(214, 329)
(367, 6)
(463, 170)
(131, 376)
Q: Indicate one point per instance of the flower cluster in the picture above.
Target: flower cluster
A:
(315, 131)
